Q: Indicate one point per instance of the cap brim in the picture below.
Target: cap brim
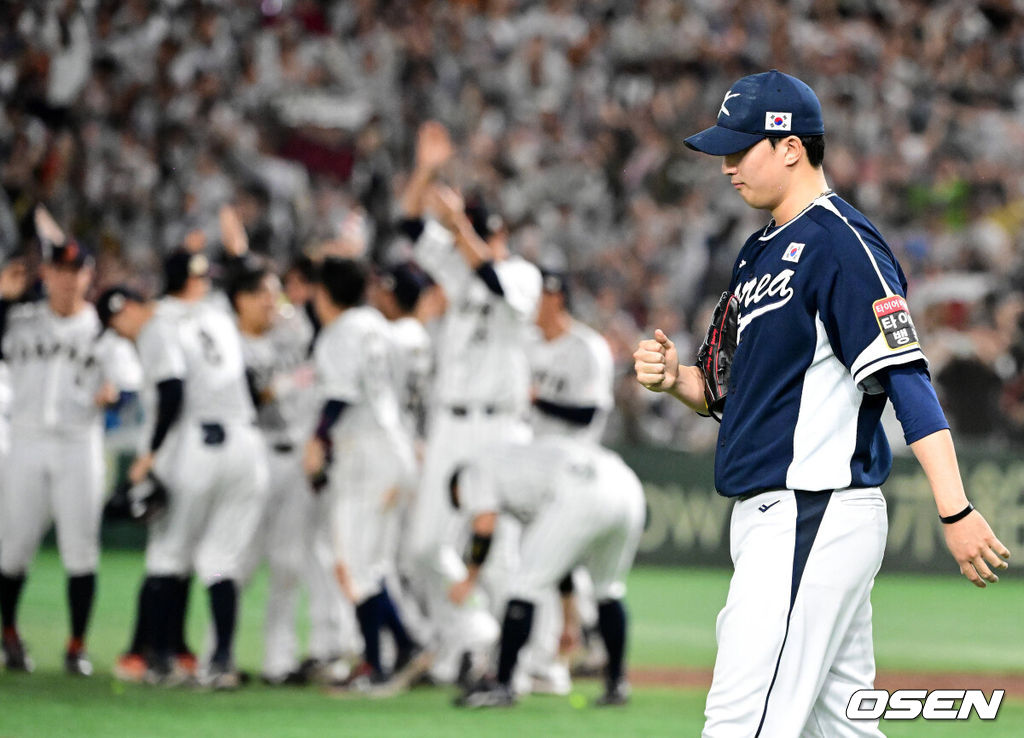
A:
(719, 141)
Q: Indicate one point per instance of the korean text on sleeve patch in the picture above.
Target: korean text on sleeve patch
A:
(893, 318)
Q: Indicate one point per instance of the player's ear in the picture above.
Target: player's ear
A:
(793, 150)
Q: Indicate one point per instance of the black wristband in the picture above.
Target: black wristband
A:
(479, 549)
(949, 519)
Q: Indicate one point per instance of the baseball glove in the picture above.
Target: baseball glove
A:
(142, 502)
(715, 355)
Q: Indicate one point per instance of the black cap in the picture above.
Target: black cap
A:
(181, 264)
(344, 280)
(555, 282)
(485, 223)
(406, 281)
(71, 253)
(113, 300)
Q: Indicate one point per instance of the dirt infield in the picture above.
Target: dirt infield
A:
(890, 680)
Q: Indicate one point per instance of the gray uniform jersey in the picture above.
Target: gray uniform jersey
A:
(283, 374)
(523, 479)
(480, 353)
(355, 359)
(414, 368)
(574, 370)
(55, 369)
(216, 389)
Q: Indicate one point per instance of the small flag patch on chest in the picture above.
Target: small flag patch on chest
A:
(793, 252)
(893, 318)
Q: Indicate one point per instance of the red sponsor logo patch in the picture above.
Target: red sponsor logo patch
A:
(893, 318)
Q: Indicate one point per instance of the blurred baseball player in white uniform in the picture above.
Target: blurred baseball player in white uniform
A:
(482, 384)
(363, 456)
(293, 537)
(572, 369)
(578, 504)
(58, 389)
(213, 461)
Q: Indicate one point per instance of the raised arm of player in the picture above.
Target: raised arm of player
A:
(433, 150)
(657, 367)
(451, 210)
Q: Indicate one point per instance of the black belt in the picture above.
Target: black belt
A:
(283, 447)
(461, 411)
(744, 498)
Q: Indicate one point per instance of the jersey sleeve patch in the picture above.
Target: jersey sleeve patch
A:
(894, 321)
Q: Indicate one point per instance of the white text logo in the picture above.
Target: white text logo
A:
(754, 291)
(728, 96)
(909, 704)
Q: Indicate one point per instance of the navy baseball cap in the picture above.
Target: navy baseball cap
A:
(770, 104)
(113, 300)
(181, 264)
(72, 253)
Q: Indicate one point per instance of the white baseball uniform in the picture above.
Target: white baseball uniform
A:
(56, 437)
(372, 456)
(294, 534)
(578, 503)
(575, 370)
(481, 397)
(482, 384)
(213, 460)
(414, 372)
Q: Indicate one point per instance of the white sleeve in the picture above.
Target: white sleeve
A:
(594, 373)
(478, 489)
(435, 251)
(337, 367)
(521, 283)
(160, 352)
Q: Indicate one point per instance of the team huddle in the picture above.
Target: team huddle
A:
(431, 477)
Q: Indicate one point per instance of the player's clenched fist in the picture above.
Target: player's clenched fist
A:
(656, 363)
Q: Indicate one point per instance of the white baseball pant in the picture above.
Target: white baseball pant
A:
(217, 493)
(49, 478)
(794, 637)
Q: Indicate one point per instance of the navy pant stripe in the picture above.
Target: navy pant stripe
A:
(810, 509)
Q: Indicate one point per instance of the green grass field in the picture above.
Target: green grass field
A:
(921, 624)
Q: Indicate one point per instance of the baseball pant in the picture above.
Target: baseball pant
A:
(52, 479)
(794, 637)
(217, 484)
(599, 528)
(286, 539)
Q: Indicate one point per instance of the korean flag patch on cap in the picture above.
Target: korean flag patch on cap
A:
(778, 121)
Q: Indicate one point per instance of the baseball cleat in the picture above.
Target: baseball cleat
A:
(187, 663)
(131, 667)
(165, 673)
(220, 677)
(16, 658)
(487, 693)
(78, 663)
(296, 678)
(409, 667)
(615, 695)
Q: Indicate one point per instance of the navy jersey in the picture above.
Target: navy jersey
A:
(822, 309)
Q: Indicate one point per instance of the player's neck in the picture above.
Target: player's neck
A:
(802, 192)
(556, 327)
(67, 309)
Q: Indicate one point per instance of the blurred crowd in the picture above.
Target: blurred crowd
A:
(134, 121)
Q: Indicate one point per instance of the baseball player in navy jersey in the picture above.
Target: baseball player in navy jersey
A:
(294, 537)
(824, 339)
(59, 386)
(364, 452)
(578, 504)
(204, 448)
(482, 381)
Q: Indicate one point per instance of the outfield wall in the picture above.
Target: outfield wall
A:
(689, 523)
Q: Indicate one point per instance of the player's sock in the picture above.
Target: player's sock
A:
(393, 622)
(611, 621)
(10, 593)
(515, 631)
(224, 604)
(159, 607)
(81, 592)
(182, 587)
(142, 639)
(369, 614)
